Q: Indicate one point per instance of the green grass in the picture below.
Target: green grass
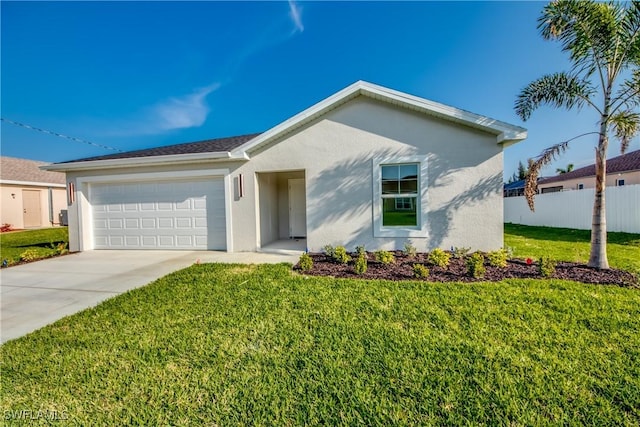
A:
(564, 244)
(12, 245)
(260, 345)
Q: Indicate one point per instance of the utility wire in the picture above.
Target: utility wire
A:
(84, 141)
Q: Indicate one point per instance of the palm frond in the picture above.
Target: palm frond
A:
(595, 34)
(629, 93)
(625, 125)
(546, 157)
(558, 90)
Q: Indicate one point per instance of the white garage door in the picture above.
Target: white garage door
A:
(159, 215)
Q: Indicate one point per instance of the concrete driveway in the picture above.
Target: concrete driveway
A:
(36, 294)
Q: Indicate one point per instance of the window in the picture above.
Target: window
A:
(552, 189)
(619, 182)
(580, 186)
(399, 191)
(399, 195)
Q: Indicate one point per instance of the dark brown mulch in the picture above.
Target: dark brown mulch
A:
(402, 269)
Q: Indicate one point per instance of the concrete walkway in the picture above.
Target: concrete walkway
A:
(36, 294)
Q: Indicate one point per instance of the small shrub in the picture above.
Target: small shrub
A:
(329, 250)
(30, 255)
(305, 263)
(460, 252)
(361, 263)
(410, 250)
(439, 257)
(360, 250)
(5, 227)
(475, 265)
(420, 271)
(385, 257)
(498, 258)
(62, 248)
(546, 266)
(340, 255)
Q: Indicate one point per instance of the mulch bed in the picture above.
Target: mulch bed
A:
(402, 269)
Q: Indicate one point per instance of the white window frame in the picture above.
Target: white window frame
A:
(420, 230)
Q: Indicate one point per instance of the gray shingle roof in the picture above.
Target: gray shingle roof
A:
(624, 163)
(207, 146)
(13, 169)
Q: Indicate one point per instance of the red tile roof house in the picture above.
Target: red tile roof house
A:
(366, 166)
(31, 197)
(621, 170)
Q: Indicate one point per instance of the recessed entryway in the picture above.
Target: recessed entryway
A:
(282, 207)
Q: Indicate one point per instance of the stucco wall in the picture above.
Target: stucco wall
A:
(11, 211)
(464, 194)
(464, 178)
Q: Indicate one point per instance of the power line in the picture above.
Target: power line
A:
(84, 141)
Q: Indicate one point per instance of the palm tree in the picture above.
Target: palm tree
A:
(569, 168)
(603, 43)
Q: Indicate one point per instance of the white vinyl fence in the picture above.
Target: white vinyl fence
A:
(573, 209)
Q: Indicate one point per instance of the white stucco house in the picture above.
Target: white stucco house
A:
(366, 166)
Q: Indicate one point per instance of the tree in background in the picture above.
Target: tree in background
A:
(522, 173)
(603, 43)
(569, 168)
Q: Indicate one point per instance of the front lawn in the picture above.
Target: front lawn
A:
(572, 245)
(236, 345)
(41, 243)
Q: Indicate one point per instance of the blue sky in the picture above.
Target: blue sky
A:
(135, 75)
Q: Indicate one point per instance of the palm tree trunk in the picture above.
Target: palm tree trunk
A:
(598, 255)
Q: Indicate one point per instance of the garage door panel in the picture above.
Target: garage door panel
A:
(165, 215)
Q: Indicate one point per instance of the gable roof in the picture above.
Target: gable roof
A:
(624, 163)
(241, 147)
(24, 171)
(506, 134)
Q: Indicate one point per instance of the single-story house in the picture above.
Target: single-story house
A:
(621, 170)
(31, 197)
(366, 166)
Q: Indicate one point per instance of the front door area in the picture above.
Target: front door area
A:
(31, 208)
(282, 206)
(297, 209)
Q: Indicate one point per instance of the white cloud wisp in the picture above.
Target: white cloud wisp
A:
(295, 13)
(182, 112)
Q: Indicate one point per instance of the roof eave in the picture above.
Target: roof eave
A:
(172, 159)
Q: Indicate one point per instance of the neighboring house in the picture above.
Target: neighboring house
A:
(621, 170)
(367, 166)
(516, 188)
(30, 197)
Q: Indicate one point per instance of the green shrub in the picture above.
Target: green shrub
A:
(475, 265)
(439, 257)
(410, 250)
(60, 248)
(30, 255)
(420, 271)
(340, 255)
(385, 257)
(329, 250)
(361, 263)
(498, 258)
(460, 252)
(305, 263)
(546, 266)
(360, 250)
